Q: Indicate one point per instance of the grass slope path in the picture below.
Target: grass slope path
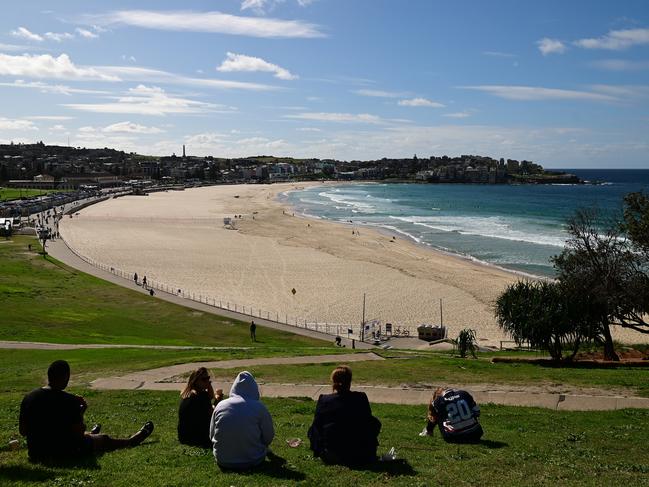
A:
(164, 379)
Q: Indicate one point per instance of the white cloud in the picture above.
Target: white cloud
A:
(47, 88)
(240, 62)
(420, 102)
(47, 66)
(133, 73)
(205, 139)
(533, 93)
(213, 22)
(62, 67)
(338, 117)
(260, 7)
(87, 34)
(616, 40)
(13, 124)
(149, 100)
(17, 47)
(24, 33)
(308, 129)
(464, 114)
(57, 128)
(49, 117)
(620, 65)
(380, 93)
(499, 54)
(627, 92)
(129, 58)
(550, 46)
(132, 128)
(58, 36)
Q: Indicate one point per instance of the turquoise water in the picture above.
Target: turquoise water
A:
(515, 227)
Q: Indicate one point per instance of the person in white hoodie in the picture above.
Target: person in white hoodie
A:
(241, 428)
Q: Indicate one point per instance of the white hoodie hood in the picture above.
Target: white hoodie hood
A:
(241, 428)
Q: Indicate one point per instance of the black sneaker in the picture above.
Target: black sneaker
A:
(143, 434)
(95, 429)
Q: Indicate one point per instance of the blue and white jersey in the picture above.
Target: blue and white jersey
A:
(457, 413)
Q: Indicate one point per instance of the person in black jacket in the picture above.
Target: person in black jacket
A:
(196, 407)
(344, 430)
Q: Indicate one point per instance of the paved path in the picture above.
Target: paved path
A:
(77, 346)
(60, 251)
(162, 379)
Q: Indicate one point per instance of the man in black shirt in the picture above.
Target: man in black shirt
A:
(457, 414)
(52, 421)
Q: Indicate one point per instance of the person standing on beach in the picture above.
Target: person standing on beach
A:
(253, 331)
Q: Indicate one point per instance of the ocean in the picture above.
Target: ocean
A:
(517, 227)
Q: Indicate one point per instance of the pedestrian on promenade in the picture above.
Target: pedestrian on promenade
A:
(253, 331)
(144, 282)
(135, 278)
(52, 421)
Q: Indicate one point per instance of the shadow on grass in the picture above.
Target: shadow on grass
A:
(394, 468)
(492, 444)
(26, 473)
(274, 466)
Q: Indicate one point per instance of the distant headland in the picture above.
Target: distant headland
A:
(61, 167)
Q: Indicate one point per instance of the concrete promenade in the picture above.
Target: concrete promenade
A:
(166, 379)
(59, 250)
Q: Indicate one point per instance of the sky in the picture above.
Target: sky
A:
(563, 83)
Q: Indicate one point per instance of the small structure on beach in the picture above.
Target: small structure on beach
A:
(431, 333)
(228, 223)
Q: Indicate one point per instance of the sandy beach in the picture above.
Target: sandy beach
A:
(178, 238)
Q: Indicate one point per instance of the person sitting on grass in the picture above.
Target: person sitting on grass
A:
(241, 428)
(344, 430)
(456, 413)
(52, 421)
(196, 407)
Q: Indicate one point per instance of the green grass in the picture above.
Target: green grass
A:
(520, 448)
(46, 301)
(7, 194)
(440, 369)
(43, 300)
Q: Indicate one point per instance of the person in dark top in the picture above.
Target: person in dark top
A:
(456, 413)
(344, 430)
(52, 421)
(196, 407)
(253, 331)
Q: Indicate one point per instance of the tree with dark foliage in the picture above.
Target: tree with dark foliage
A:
(602, 282)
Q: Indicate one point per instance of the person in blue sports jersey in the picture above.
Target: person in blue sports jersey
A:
(456, 414)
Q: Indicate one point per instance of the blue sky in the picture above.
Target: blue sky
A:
(564, 83)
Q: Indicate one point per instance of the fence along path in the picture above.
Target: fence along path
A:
(345, 330)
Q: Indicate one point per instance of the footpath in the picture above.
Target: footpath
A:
(59, 250)
(171, 379)
(165, 378)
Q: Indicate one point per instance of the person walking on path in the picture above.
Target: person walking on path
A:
(52, 421)
(253, 331)
(144, 282)
(135, 278)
